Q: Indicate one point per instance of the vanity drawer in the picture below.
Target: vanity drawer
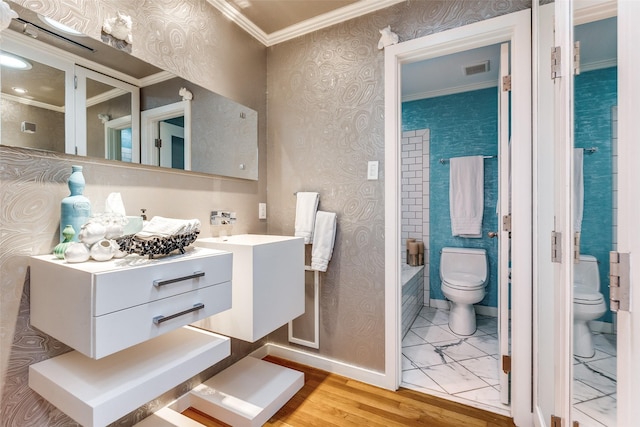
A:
(116, 331)
(98, 308)
(119, 289)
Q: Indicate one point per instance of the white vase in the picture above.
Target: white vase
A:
(76, 252)
(103, 250)
(117, 252)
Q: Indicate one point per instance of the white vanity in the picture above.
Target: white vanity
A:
(126, 320)
(268, 284)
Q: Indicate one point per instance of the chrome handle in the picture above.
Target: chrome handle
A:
(492, 234)
(159, 319)
(158, 283)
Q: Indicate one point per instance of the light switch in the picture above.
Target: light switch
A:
(372, 170)
(262, 211)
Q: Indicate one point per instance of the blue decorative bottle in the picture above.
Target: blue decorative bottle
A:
(75, 209)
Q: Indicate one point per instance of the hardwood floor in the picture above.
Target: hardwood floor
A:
(332, 400)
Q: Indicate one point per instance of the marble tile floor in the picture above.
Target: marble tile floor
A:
(438, 362)
(594, 384)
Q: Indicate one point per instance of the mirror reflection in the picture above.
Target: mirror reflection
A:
(595, 207)
(208, 133)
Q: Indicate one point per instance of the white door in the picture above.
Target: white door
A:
(504, 232)
(546, 306)
(555, 389)
(628, 207)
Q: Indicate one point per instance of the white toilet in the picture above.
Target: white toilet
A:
(464, 274)
(588, 304)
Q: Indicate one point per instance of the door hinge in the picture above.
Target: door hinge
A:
(506, 83)
(506, 364)
(576, 58)
(506, 223)
(75, 82)
(619, 280)
(555, 62)
(576, 247)
(158, 143)
(556, 421)
(556, 248)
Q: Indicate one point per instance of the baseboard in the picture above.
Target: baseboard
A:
(442, 304)
(486, 311)
(601, 327)
(324, 363)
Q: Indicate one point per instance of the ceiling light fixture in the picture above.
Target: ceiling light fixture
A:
(60, 27)
(19, 90)
(13, 61)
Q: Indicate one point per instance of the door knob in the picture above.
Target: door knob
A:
(492, 234)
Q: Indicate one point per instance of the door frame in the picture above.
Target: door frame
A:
(516, 28)
(149, 130)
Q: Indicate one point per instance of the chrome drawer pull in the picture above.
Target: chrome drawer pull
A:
(159, 319)
(158, 283)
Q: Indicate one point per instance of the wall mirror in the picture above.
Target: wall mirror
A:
(77, 95)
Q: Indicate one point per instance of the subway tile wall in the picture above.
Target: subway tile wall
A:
(415, 194)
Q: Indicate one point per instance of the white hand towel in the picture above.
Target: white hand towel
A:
(306, 208)
(323, 240)
(165, 227)
(466, 196)
(578, 188)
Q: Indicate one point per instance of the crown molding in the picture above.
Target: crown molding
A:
(33, 103)
(450, 90)
(319, 22)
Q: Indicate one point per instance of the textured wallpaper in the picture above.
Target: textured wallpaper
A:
(191, 39)
(326, 120)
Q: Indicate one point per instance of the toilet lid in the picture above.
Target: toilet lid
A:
(584, 295)
(464, 281)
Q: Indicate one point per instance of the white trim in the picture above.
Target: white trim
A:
(514, 27)
(105, 96)
(156, 78)
(114, 125)
(602, 327)
(628, 322)
(322, 362)
(593, 10)
(149, 131)
(599, 65)
(484, 310)
(82, 102)
(450, 90)
(440, 304)
(301, 28)
(32, 103)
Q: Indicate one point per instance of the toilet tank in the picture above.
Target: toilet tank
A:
(464, 260)
(586, 273)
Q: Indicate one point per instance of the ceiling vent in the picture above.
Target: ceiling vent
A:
(482, 67)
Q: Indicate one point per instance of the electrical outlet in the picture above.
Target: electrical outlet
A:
(262, 211)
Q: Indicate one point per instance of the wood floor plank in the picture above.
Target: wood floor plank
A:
(328, 400)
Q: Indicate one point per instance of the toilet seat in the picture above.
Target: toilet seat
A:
(464, 281)
(586, 296)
